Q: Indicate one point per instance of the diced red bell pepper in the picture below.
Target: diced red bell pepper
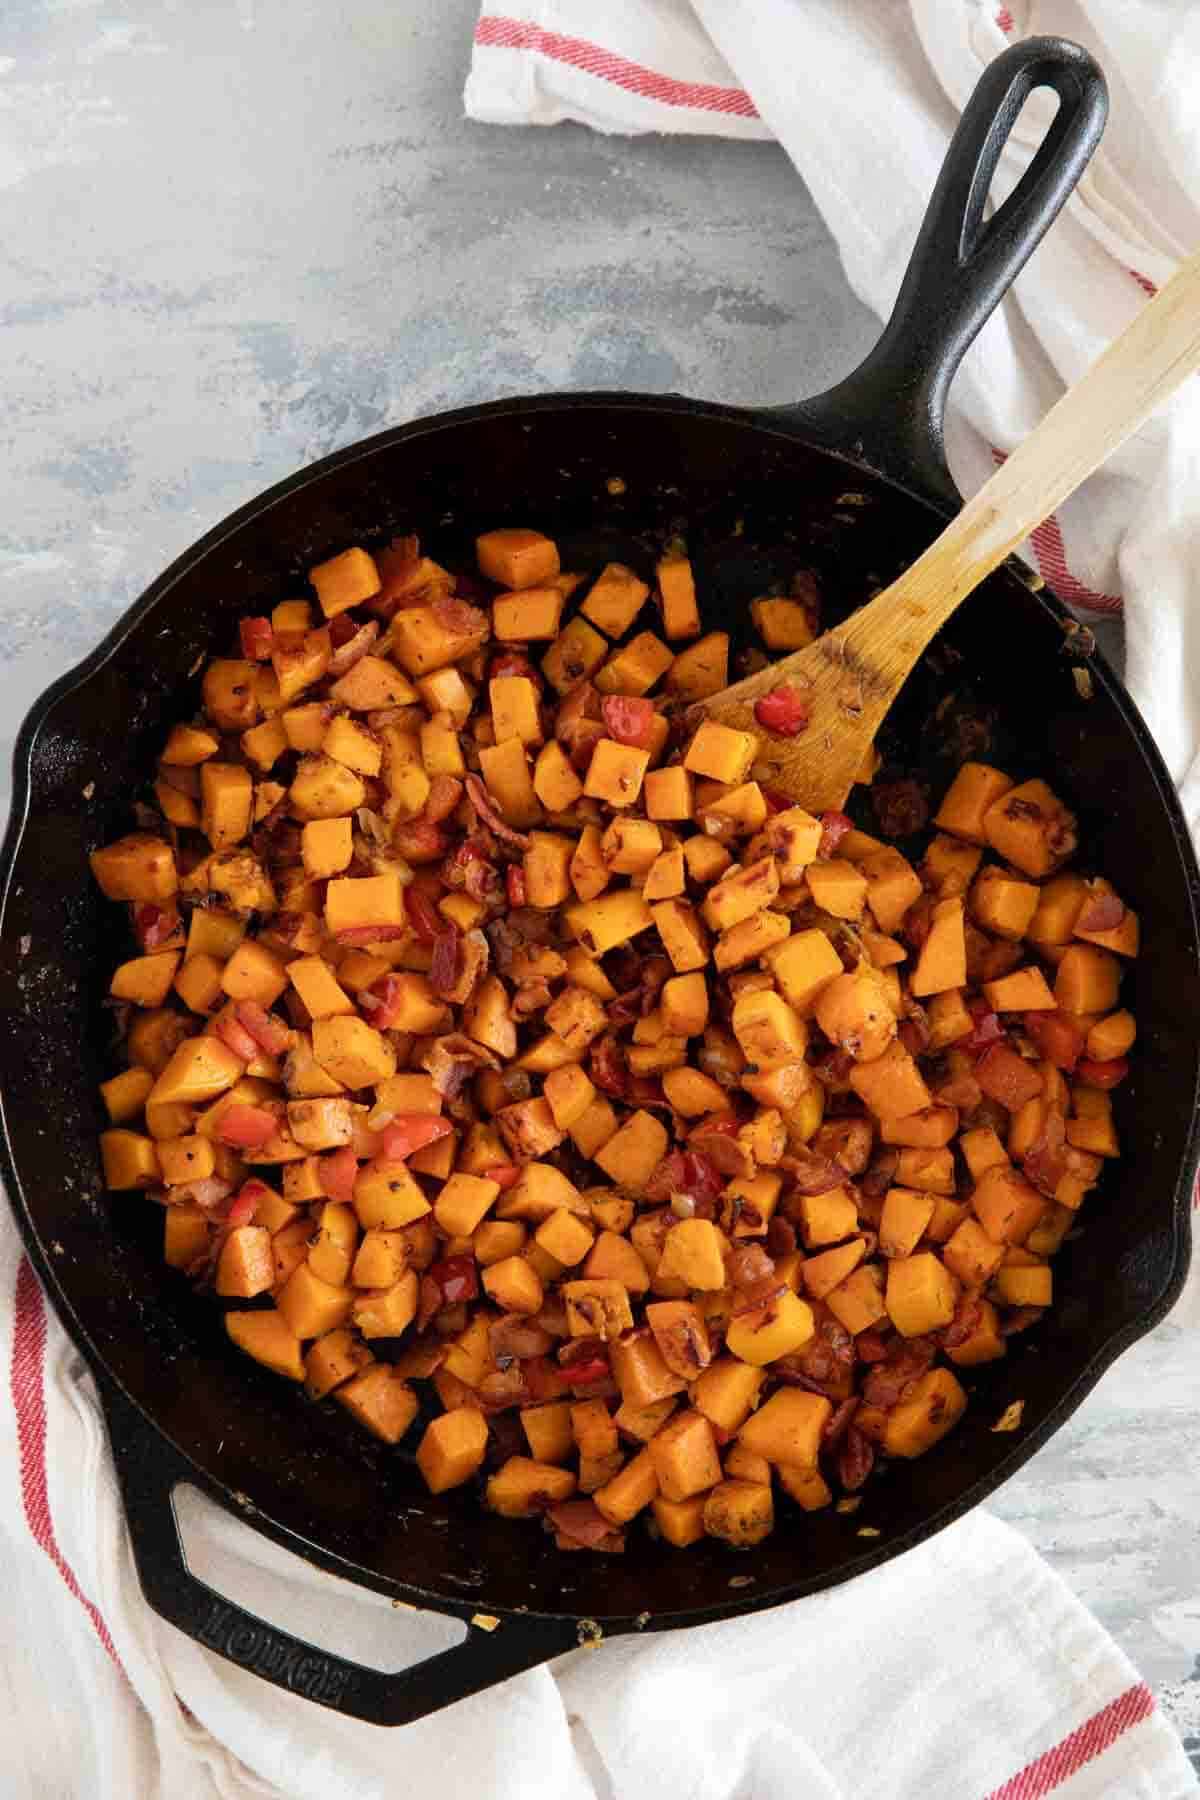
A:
(627, 720)
(1055, 1038)
(244, 1204)
(458, 1278)
(544, 1380)
(269, 1032)
(1108, 1074)
(235, 1037)
(1007, 1077)
(777, 801)
(834, 826)
(339, 1171)
(514, 882)
(246, 1127)
(410, 1132)
(783, 711)
(257, 637)
(505, 1174)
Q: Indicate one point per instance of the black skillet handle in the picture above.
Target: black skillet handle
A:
(148, 1469)
(891, 410)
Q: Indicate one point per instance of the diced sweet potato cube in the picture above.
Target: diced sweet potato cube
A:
(505, 769)
(452, 1448)
(975, 788)
(904, 1221)
(784, 1324)
(677, 592)
(555, 782)
(1025, 1286)
(1088, 980)
(381, 1259)
(548, 1431)
(857, 1302)
(527, 616)
(617, 596)
(787, 1428)
(268, 1338)
(514, 1285)
(1004, 905)
(948, 1019)
(837, 887)
(668, 793)
(1025, 990)
(310, 1306)
(921, 1294)
(1111, 1036)
(684, 1455)
(386, 1197)
(354, 903)
(345, 580)
(333, 1359)
(807, 1487)
(949, 867)
(139, 867)
(821, 1274)
(629, 1491)
(613, 1258)
(782, 624)
(386, 1312)
(125, 1095)
(741, 1512)
(597, 1308)
(634, 670)
(680, 1522)
(827, 1218)
(517, 557)
(640, 1372)
(1031, 828)
(891, 1085)
(380, 1398)
(855, 1013)
(985, 1343)
(565, 1237)
(130, 1160)
(971, 1255)
(702, 669)
(352, 1051)
(942, 964)
(934, 1407)
(802, 965)
(1006, 1204)
(748, 941)
(198, 1070)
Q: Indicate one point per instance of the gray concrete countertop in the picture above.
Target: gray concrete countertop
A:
(238, 235)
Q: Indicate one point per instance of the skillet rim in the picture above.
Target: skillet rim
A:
(791, 425)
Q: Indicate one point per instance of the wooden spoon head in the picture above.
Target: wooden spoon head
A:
(847, 696)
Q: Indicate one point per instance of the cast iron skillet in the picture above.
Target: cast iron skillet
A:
(852, 484)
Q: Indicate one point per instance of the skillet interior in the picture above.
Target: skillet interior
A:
(755, 504)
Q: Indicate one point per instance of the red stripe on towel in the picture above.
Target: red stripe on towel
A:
(497, 32)
(29, 1401)
(1092, 1739)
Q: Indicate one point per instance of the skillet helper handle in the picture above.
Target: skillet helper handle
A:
(148, 1469)
(963, 264)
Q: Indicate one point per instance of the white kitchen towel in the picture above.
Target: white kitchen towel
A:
(864, 98)
(965, 1670)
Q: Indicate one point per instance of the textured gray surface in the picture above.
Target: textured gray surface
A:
(239, 234)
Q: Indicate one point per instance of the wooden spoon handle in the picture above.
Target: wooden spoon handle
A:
(1138, 372)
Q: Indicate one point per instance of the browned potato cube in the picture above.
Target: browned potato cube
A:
(452, 1448)
(741, 1512)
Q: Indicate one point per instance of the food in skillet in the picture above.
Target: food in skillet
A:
(562, 1098)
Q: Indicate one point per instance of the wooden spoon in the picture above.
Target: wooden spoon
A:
(850, 676)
